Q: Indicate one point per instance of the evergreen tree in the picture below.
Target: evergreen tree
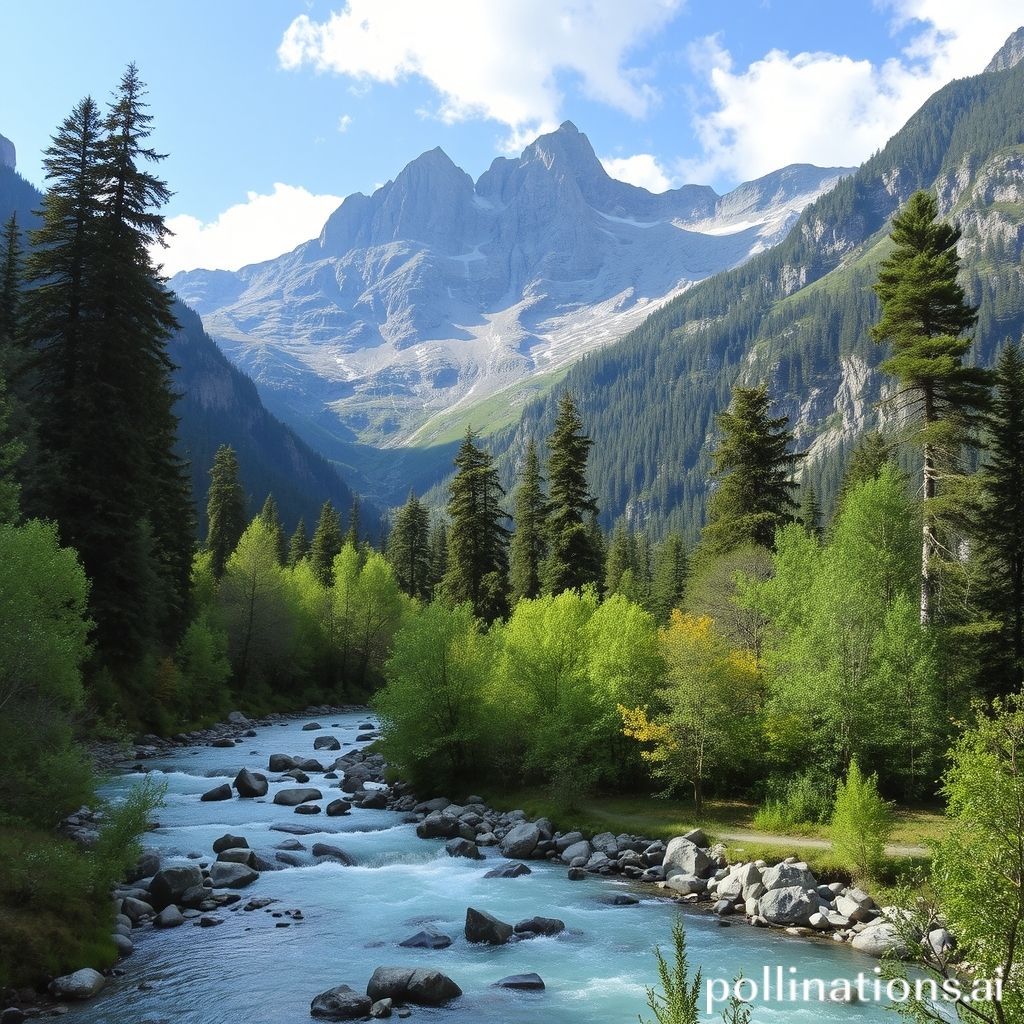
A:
(327, 544)
(11, 450)
(298, 546)
(225, 509)
(573, 559)
(477, 567)
(810, 509)
(438, 555)
(272, 521)
(1001, 516)
(354, 515)
(866, 461)
(668, 582)
(621, 558)
(754, 466)
(10, 290)
(409, 548)
(924, 316)
(528, 542)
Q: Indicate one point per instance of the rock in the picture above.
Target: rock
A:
(289, 859)
(606, 843)
(785, 876)
(730, 889)
(297, 776)
(311, 727)
(880, 939)
(336, 808)
(520, 841)
(788, 906)
(237, 718)
(223, 741)
(463, 848)
(521, 982)
(83, 984)
(427, 939)
(12, 1015)
(484, 927)
(294, 797)
(698, 837)
(340, 1003)
(136, 909)
(241, 856)
(217, 793)
(293, 829)
(682, 857)
(686, 884)
(334, 853)
(169, 917)
(308, 764)
(146, 866)
(231, 876)
(377, 801)
(171, 884)
(382, 1009)
(540, 926)
(579, 849)
(326, 743)
(853, 910)
(508, 871)
(620, 899)
(576, 874)
(230, 842)
(412, 985)
(281, 763)
(124, 946)
(250, 784)
(941, 942)
(307, 809)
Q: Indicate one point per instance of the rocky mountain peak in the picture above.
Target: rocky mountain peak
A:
(1010, 54)
(8, 154)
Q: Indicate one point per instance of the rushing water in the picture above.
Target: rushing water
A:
(249, 971)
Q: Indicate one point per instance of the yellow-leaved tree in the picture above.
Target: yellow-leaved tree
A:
(705, 718)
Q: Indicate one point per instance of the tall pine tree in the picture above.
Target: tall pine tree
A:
(668, 581)
(528, 541)
(225, 509)
(271, 518)
(924, 316)
(327, 544)
(477, 567)
(298, 546)
(573, 559)
(810, 509)
(409, 548)
(354, 524)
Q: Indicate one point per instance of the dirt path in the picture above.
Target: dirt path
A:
(807, 843)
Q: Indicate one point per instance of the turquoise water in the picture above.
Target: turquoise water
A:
(249, 970)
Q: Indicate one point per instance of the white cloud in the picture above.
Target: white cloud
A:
(497, 59)
(640, 169)
(344, 123)
(262, 227)
(830, 109)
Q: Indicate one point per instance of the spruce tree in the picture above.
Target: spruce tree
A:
(271, 519)
(753, 466)
(327, 544)
(1001, 517)
(810, 509)
(11, 450)
(622, 558)
(527, 549)
(573, 558)
(354, 516)
(924, 316)
(408, 548)
(298, 546)
(871, 453)
(10, 291)
(438, 556)
(225, 509)
(477, 567)
(668, 582)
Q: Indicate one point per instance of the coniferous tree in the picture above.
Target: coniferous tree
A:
(298, 546)
(272, 521)
(810, 509)
(10, 290)
(621, 558)
(477, 567)
(11, 450)
(528, 541)
(924, 316)
(1001, 517)
(438, 555)
(668, 578)
(573, 559)
(754, 466)
(225, 509)
(866, 461)
(354, 515)
(327, 544)
(408, 548)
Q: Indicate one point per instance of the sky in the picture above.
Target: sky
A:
(272, 111)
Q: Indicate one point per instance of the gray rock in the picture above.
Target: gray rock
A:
(171, 884)
(169, 917)
(336, 808)
(281, 762)
(419, 986)
(941, 942)
(326, 743)
(460, 847)
(521, 982)
(684, 857)
(333, 853)
(294, 797)
(508, 871)
(540, 926)
(578, 849)
(686, 884)
(854, 910)
(232, 876)
(881, 939)
(243, 856)
(486, 928)
(230, 842)
(605, 842)
(427, 939)
(217, 793)
(307, 809)
(340, 1003)
(123, 944)
(698, 837)
(83, 984)
(788, 906)
(785, 876)
(250, 784)
(311, 727)
(521, 841)
(382, 1009)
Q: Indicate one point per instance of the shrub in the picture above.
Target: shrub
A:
(796, 804)
(861, 823)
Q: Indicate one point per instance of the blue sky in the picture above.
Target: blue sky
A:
(272, 110)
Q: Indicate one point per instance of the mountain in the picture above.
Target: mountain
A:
(422, 303)
(220, 405)
(797, 316)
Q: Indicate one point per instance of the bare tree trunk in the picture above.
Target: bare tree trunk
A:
(929, 543)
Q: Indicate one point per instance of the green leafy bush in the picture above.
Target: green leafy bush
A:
(861, 823)
(797, 804)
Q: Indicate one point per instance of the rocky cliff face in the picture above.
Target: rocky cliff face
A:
(437, 292)
(8, 154)
(1010, 54)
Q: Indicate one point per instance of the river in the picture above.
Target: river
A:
(248, 970)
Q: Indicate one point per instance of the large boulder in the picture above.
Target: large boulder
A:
(169, 917)
(516, 870)
(340, 1003)
(521, 841)
(170, 885)
(232, 876)
(484, 927)
(686, 884)
(336, 808)
(326, 743)
(418, 985)
(242, 855)
(784, 876)
(788, 906)
(250, 784)
(294, 797)
(540, 926)
(881, 939)
(83, 984)
(460, 847)
(683, 857)
(281, 762)
(335, 853)
(217, 793)
(578, 849)
(230, 842)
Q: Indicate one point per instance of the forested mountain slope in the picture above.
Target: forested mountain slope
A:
(797, 316)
